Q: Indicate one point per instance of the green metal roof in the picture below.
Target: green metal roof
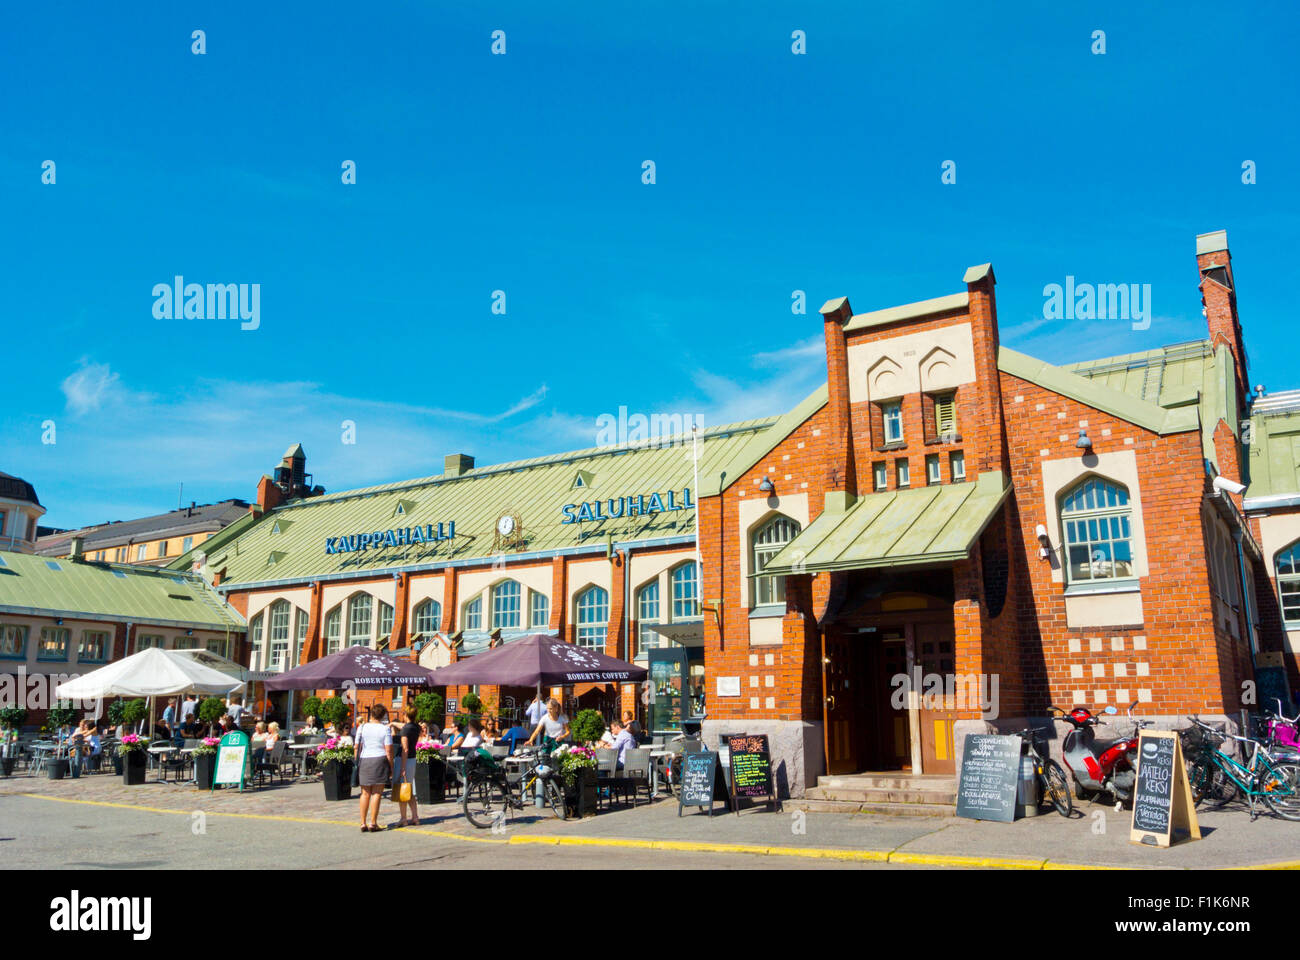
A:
(1173, 377)
(1090, 386)
(725, 470)
(1274, 452)
(901, 528)
(535, 490)
(111, 591)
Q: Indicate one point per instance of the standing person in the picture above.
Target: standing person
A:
(374, 744)
(236, 709)
(535, 711)
(410, 734)
(169, 716)
(188, 706)
(553, 727)
(631, 726)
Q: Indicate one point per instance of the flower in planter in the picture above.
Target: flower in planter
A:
(207, 747)
(426, 750)
(335, 749)
(130, 744)
(572, 760)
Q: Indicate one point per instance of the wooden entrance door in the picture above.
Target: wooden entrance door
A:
(893, 730)
(840, 686)
(935, 645)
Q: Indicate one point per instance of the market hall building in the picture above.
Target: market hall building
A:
(942, 507)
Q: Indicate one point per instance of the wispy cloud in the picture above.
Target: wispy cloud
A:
(90, 387)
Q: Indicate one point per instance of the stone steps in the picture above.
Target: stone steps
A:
(879, 809)
(889, 793)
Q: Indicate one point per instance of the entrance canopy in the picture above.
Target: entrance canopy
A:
(937, 524)
(150, 673)
(538, 659)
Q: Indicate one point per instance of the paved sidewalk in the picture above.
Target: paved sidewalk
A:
(1095, 836)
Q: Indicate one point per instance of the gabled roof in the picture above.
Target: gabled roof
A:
(536, 490)
(1096, 393)
(200, 518)
(16, 488)
(1273, 454)
(111, 591)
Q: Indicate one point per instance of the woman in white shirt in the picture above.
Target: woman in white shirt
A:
(554, 726)
(374, 745)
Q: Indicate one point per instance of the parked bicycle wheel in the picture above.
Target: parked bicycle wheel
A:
(1280, 789)
(555, 798)
(1058, 787)
(483, 802)
(1211, 786)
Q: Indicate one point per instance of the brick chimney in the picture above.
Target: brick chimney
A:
(1219, 297)
(455, 464)
(835, 314)
(990, 445)
(269, 496)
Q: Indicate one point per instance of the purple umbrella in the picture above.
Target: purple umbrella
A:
(535, 660)
(359, 666)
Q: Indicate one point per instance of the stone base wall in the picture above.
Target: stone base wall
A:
(797, 749)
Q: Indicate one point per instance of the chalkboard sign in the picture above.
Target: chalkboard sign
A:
(750, 760)
(232, 760)
(1162, 798)
(990, 767)
(701, 782)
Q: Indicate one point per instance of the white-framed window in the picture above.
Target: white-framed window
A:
(473, 619)
(279, 634)
(334, 630)
(54, 643)
(186, 643)
(957, 465)
(218, 646)
(359, 619)
(593, 617)
(769, 540)
(94, 646)
(505, 605)
(162, 548)
(893, 417)
(945, 415)
(13, 641)
(881, 471)
(255, 638)
(1287, 565)
(903, 476)
(386, 616)
(187, 544)
(144, 641)
(647, 618)
(539, 614)
(428, 613)
(300, 635)
(686, 591)
(140, 551)
(932, 469)
(1098, 538)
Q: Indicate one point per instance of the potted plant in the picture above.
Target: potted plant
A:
(310, 707)
(334, 759)
(430, 773)
(11, 718)
(131, 750)
(472, 704)
(587, 727)
(205, 762)
(130, 713)
(210, 711)
(577, 768)
(334, 710)
(59, 717)
(428, 708)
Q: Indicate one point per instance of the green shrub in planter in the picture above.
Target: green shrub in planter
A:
(133, 711)
(310, 707)
(428, 708)
(333, 710)
(60, 715)
(12, 718)
(211, 709)
(587, 726)
(471, 703)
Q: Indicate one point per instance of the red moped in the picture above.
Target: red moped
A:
(1100, 766)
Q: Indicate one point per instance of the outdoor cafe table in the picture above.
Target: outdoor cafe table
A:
(655, 756)
(160, 753)
(303, 747)
(41, 753)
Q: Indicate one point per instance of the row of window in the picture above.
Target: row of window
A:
(903, 473)
(93, 646)
(943, 420)
(122, 554)
(6, 523)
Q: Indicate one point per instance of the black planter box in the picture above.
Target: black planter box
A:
(133, 768)
(431, 781)
(337, 778)
(7, 765)
(57, 769)
(205, 766)
(580, 799)
(117, 764)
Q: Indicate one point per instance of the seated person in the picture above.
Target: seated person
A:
(513, 737)
(623, 740)
(272, 734)
(471, 739)
(631, 726)
(309, 727)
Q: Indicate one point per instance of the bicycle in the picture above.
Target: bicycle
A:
(1220, 779)
(489, 795)
(1051, 778)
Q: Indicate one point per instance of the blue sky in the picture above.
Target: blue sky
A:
(522, 173)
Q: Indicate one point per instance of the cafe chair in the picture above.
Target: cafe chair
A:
(606, 774)
(272, 762)
(635, 774)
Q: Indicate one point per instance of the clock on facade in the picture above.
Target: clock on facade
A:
(509, 531)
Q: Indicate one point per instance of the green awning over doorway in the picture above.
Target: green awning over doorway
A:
(927, 525)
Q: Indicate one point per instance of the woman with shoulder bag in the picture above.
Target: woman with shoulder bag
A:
(374, 747)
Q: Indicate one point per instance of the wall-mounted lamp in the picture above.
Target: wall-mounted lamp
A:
(1083, 443)
(189, 633)
(1044, 544)
(58, 621)
(767, 486)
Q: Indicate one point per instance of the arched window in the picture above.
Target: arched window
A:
(279, 634)
(1288, 582)
(686, 591)
(540, 614)
(647, 617)
(385, 624)
(359, 608)
(1095, 517)
(473, 619)
(333, 630)
(427, 616)
(300, 638)
(769, 540)
(593, 617)
(505, 605)
(254, 638)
